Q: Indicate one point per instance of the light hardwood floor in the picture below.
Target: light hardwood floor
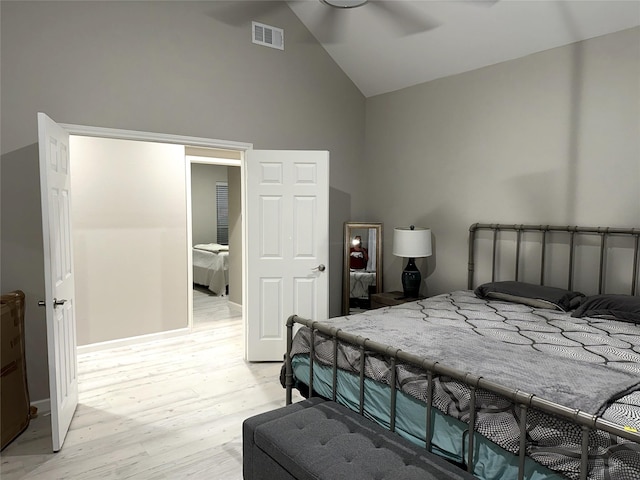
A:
(169, 409)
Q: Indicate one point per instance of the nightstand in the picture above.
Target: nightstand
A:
(388, 299)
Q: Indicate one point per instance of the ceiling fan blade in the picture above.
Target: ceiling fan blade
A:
(406, 19)
(237, 13)
(331, 25)
(484, 3)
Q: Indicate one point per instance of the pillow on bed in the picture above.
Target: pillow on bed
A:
(537, 296)
(617, 307)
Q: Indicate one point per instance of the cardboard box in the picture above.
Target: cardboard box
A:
(14, 394)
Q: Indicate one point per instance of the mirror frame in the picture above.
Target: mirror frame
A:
(348, 226)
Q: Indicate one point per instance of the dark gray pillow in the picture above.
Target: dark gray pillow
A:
(537, 296)
(617, 307)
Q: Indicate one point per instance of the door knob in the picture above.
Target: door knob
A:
(56, 302)
(320, 267)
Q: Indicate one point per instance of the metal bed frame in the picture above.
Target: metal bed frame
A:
(520, 398)
(573, 234)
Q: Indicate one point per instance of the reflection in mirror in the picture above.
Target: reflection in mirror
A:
(362, 269)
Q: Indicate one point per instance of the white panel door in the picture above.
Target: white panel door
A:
(287, 232)
(59, 282)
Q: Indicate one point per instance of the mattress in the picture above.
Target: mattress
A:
(584, 363)
(211, 269)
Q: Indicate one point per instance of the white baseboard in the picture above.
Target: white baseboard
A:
(235, 307)
(43, 406)
(123, 342)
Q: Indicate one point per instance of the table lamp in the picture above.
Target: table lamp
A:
(411, 242)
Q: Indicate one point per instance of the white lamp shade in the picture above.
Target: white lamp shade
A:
(412, 243)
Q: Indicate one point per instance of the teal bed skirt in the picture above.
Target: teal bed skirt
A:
(449, 437)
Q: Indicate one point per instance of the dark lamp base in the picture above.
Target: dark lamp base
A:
(411, 279)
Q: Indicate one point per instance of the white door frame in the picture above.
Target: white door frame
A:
(118, 134)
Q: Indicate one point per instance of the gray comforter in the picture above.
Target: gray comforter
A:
(583, 363)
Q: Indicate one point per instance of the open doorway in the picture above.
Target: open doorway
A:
(306, 241)
(133, 238)
(214, 191)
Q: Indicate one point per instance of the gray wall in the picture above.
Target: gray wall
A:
(551, 138)
(204, 213)
(169, 67)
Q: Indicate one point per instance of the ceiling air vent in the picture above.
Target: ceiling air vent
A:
(268, 36)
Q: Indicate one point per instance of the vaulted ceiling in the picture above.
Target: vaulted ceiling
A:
(384, 46)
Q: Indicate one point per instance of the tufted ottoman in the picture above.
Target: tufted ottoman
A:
(316, 439)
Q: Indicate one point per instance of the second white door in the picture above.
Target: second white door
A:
(287, 229)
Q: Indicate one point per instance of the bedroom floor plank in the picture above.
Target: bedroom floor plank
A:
(163, 410)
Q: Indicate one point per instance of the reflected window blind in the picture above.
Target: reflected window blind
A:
(222, 206)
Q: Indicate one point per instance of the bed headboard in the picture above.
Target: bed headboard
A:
(588, 259)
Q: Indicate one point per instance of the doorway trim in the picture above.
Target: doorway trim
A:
(134, 135)
(120, 134)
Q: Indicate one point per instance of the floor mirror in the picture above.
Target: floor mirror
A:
(362, 268)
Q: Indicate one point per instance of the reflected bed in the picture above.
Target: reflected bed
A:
(359, 283)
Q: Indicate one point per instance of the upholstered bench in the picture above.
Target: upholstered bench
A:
(316, 439)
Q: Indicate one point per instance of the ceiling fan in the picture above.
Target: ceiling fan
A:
(402, 17)
(344, 3)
